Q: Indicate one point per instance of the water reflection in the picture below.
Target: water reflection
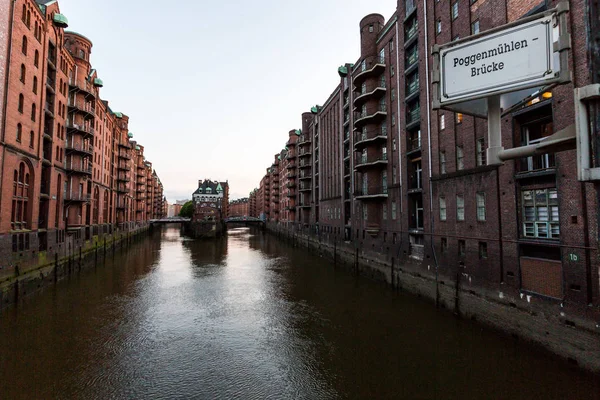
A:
(249, 317)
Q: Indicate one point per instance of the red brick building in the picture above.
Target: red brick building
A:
(382, 171)
(239, 208)
(70, 169)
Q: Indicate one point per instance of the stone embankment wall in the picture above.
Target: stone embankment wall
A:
(568, 332)
(25, 279)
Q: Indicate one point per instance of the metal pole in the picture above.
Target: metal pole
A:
(494, 131)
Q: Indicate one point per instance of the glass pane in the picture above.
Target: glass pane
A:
(529, 213)
(554, 213)
(529, 229)
(542, 229)
(555, 231)
(542, 213)
(541, 197)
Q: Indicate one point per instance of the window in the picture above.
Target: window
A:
(35, 83)
(483, 254)
(20, 215)
(21, 101)
(384, 183)
(460, 158)
(36, 59)
(442, 162)
(23, 73)
(480, 145)
(382, 56)
(460, 207)
(391, 46)
(385, 212)
(393, 210)
(438, 26)
(33, 112)
(24, 14)
(24, 45)
(19, 132)
(442, 122)
(444, 245)
(459, 118)
(462, 248)
(392, 70)
(541, 214)
(365, 212)
(475, 27)
(455, 10)
(31, 139)
(442, 208)
(370, 28)
(480, 206)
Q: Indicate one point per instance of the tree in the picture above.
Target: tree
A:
(187, 210)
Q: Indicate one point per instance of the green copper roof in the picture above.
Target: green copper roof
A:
(60, 20)
(315, 109)
(219, 188)
(130, 135)
(138, 148)
(343, 71)
(119, 115)
(98, 82)
(298, 132)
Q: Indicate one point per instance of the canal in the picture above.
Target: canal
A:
(249, 317)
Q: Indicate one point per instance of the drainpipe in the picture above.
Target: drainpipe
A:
(399, 144)
(431, 219)
(5, 105)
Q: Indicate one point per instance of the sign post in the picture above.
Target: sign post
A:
(487, 74)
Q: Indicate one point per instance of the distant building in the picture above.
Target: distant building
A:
(239, 208)
(211, 200)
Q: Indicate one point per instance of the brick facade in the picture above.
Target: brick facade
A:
(63, 178)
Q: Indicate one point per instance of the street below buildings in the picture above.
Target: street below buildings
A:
(251, 317)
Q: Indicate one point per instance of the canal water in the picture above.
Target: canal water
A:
(249, 317)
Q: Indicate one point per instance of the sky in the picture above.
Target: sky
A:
(213, 88)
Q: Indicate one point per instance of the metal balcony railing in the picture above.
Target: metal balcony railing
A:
(371, 191)
(412, 58)
(80, 147)
(413, 116)
(84, 169)
(369, 135)
(82, 197)
(414, 143)
(365, 159)
(79, 127)
(370, 112)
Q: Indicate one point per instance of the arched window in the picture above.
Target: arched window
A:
(96, 211)
(36, 59)
(24, 14)
(21, 101)
(35, 30)
(28, 19)
(31, 135)
(105, 205)
(20, 215)
(35, 84)
(23, 72)
(19, 132)
(58, 200)
(24, 45)
(33, 111)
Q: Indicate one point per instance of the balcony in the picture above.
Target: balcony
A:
(370, 116)
(305, 188)
(538, 163)
(124, 155)
(305, 176)
(363, 139)
(372, 161)
(410, 31)
(375, 193)
(291, 165)
(412, 87)
(77, 197)
(49, 108)
(51, 83)
(291, 193)
(304, 139)
(84, 87)
(82, 107)
(291, 185)
(412, 58)
(367, 92)
(78, 128)
(82, 148)
(370, 66)
(291, 176)
(305, 153)
(123, 177)
(79, 169)
(413, 117)
(305, 164)
(122, 188)
(414, 144)
(123, 165)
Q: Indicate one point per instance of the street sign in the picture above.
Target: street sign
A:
(515, 58)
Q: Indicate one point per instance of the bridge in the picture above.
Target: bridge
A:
(244, 221)
(172, 220)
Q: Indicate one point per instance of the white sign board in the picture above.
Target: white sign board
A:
(518, 57)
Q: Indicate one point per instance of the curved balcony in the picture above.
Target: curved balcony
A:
(81, 148)
(306, 164)
(124, 155)
(77, 197)
(291, 165)
(376, 193)
(370, 66)
(78, 128)
(364, 139)
(305, 153)
(83, 108)
(371, 91)
(86, 88)
(304, 139)
(305, 188)
(123, 178)
(370, 116)
(363, 162)
(79, 169)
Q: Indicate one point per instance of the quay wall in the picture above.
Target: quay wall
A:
(567, 330)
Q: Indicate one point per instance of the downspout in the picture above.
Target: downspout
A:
(5, 105)
(398, 125)
(431, 219)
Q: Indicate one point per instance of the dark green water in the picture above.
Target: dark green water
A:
(249, 317)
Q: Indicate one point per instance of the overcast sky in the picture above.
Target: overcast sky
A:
(213, 88)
